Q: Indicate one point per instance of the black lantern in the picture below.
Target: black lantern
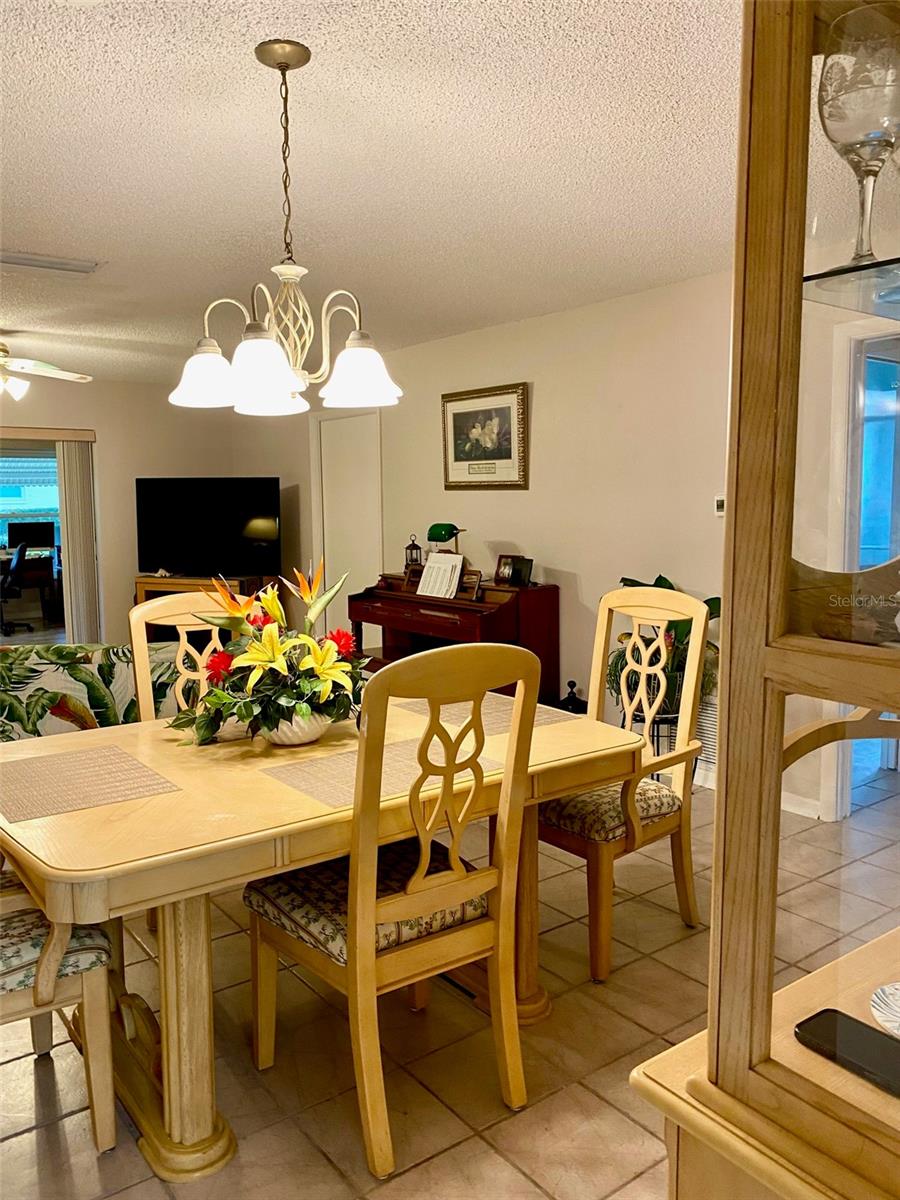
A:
(413, 552)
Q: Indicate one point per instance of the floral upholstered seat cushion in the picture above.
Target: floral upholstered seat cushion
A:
(596, 815)
(311, 904)
(22, 938)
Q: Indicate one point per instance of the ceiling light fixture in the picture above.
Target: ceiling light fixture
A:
(15, 387)
(267, 374)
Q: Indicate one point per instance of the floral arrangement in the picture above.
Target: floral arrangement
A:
(268, 679)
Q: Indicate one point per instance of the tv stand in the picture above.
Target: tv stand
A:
(148, 587)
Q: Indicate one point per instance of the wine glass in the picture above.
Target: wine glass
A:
(859, 100)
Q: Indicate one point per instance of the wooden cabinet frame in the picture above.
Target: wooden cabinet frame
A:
(762, 661)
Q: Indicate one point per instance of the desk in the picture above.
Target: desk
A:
(229, 821)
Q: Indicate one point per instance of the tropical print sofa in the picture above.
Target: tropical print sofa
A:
(48, 689)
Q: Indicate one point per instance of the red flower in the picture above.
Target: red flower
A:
(260, 620)
(218, 665)
(343, 639)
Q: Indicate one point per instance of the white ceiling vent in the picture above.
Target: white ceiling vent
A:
(44, 262)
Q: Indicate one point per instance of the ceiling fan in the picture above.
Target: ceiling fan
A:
(16, 387)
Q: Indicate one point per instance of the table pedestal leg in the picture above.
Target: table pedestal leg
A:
(532, 1000)
(164, 1072)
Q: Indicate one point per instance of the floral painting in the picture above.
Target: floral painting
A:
(486, 437)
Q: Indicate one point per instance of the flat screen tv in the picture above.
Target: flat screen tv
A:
(228, 527)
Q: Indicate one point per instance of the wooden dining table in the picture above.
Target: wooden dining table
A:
(214, 818)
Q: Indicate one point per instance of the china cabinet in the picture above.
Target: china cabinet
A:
(811, 623)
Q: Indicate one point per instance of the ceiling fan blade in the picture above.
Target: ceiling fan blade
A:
(34, 366)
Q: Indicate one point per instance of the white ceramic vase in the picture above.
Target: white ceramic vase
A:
(232, 729)
(299, 732)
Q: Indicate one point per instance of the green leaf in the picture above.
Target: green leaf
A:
(302, 709)
(244, 711)
(286, 699)
(235, 624)
(681, 631)
(186, 719)
(207, 726)
(317, 607)
(714, 604)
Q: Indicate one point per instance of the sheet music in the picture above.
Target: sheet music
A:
(441, 576)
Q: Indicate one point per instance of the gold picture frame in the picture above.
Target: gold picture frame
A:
(485, 437)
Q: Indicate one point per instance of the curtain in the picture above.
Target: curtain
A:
(81, 595)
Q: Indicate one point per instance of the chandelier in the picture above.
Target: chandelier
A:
(267, 375)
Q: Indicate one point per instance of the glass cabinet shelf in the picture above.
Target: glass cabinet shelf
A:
(873, 289)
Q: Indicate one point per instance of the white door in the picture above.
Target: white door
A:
(350, 466)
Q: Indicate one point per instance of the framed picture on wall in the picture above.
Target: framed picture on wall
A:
(486, 437)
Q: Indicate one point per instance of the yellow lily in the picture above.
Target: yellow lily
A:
(270, 603)
(229, 601)
(324, 661)
(268, 654)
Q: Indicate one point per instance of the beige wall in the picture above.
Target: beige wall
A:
(140, 433)
(628, 418)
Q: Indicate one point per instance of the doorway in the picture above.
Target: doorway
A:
(31, 585)
(873, 514)
(346, 454)
(47, 503)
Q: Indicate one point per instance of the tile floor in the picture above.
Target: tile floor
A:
(585, 1134)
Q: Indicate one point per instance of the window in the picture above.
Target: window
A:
(29, 487)
(879, 499)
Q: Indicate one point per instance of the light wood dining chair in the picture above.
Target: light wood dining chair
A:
(45, 966)
(178, 613)
(605, 823)
(391, 916)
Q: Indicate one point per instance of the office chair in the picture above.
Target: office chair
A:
(11, 584)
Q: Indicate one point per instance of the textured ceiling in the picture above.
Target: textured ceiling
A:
(458, 163)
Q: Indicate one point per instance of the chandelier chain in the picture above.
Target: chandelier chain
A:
(286, 174)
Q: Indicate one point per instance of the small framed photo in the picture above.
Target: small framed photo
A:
(514, 570)
(486, 437)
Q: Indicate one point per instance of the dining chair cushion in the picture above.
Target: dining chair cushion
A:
(310, 903)
(22, 938)
(596, 816)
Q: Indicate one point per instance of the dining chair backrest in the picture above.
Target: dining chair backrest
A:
(651, 612)
(182, 612)
(15, 576)
(446, 791)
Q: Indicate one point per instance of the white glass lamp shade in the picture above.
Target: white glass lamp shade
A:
(15, 387)
(264, 383)
(360, 378)
(206, 381)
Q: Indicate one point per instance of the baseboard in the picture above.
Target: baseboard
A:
(705, 776)
(803, 806)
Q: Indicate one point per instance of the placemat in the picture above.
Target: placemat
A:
(59, 783)
(332, 779)
(496, 713)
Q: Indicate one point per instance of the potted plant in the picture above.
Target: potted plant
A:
(677, 639)
(286, 685)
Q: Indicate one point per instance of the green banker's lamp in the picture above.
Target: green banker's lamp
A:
(444, 532)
